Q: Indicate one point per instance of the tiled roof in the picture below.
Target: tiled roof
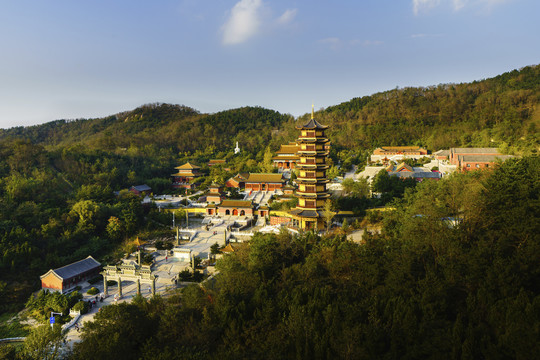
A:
(236, 203)
(400, 148)
(71, 270)
(403, 166)
(468, 151)
(216, 161)
(288, 149)
(264, 178)
(143, 187)
(416, 175)
(187, 165)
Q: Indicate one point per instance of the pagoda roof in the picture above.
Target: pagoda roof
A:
(138, 242)
(290, 157)
(216, 161)
(306, 213)
(312, 124)
(74, 269)
(228, 249)
(187, 165)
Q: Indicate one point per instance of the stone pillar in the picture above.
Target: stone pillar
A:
(139, 257)
(138, 286)
(153, 287)
(105, 288)
(119, 287)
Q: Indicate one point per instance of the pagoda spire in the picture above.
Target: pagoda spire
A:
(312, 110)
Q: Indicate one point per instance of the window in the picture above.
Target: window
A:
(477, 165)
(468, 165)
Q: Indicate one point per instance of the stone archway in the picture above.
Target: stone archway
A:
(235, 212)
(227, 212)
(242, 213)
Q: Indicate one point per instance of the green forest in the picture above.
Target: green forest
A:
(423, 288)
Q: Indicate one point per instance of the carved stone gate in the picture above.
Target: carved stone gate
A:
(138, 274)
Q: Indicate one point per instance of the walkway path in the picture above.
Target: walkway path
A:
(166, 270)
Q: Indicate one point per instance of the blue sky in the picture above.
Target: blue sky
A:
(68, 59)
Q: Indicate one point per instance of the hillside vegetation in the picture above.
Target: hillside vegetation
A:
(423, 288)
(499, 112)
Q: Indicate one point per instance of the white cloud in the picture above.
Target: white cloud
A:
(424, 5)
(458, 4)
(243, 23)
(287, 16)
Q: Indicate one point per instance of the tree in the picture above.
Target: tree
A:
(117, 332)
(114, 228)
(267, 165)
(328, 214)
(44, 343)
(87, 211)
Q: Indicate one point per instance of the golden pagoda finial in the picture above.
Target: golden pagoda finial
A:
(312, 110)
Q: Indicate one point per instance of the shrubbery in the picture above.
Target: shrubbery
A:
(93, 291)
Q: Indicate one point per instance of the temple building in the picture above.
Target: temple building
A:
(68, 277)
(311, 192)
(214, 194)
(185, 176)
(257, 181)
(287, 156)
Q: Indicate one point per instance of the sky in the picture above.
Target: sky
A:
(69, 59)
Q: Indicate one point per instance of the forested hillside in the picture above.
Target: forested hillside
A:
(499, 112)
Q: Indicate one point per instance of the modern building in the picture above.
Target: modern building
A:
(68, 277)
(185, 176)
(467, 159)
(312, 193)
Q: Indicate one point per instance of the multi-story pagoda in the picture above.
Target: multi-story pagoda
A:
(311, 192)
(185, 176)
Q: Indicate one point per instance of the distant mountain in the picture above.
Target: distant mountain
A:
(498, 112)
(163, 125)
